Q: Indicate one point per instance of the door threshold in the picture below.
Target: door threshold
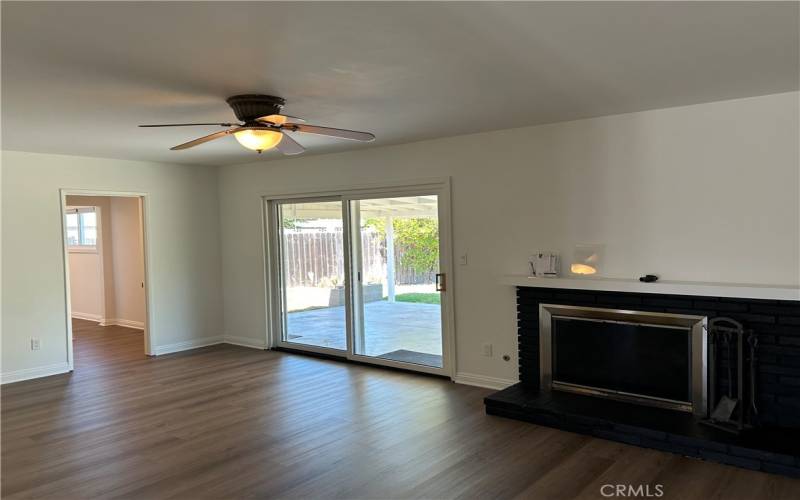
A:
(344, 359)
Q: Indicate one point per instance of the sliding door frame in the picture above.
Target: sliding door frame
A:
(279, 288)
(274, 289)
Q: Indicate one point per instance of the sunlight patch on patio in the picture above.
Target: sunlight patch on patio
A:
(392, 326)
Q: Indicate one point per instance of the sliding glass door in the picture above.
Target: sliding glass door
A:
(361, 277)
(312, 273)
(397, 299)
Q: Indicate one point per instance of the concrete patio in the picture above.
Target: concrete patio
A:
(389, 327)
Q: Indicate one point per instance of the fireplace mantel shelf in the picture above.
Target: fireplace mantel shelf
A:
(733, 290)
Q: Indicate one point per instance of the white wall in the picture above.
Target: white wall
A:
(698, 193)
(86, 286)
(183, 242)
(128, 262)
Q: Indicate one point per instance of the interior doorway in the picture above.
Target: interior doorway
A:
(363, 276)
(105, 269)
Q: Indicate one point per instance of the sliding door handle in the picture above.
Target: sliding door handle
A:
(441, 282)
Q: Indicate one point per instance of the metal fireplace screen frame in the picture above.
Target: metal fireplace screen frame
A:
(695, 327)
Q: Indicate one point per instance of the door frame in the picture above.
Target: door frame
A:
(439, 186)
(279, 288)
(149, 335)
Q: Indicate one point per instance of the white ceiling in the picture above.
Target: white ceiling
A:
(78, 77)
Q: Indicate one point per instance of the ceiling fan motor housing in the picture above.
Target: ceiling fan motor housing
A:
(248, 107)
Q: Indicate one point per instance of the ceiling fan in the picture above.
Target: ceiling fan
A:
(263, 126)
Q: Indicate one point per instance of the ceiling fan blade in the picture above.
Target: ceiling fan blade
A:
(289, 146)
(294, 119)
(201, 140)
(191, 125)
(341, 133)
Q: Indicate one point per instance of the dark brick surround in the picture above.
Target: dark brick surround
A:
(777, 323)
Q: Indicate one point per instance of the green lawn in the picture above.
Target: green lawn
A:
(421, 298)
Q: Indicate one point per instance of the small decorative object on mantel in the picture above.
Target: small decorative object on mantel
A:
(587, 259)
(545, 264)
(648, 278)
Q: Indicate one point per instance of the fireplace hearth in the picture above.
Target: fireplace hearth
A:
(582, 390)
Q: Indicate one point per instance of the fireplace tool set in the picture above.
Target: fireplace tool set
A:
(729, 412)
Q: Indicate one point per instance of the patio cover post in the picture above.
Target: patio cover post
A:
(390, 257)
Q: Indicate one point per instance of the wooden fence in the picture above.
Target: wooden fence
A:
(317, 259)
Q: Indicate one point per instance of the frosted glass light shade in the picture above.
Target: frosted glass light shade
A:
(587, 259)
(258, 140)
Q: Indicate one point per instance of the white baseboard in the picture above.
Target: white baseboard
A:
(46, 371)
(187, 345)
(138, 325)
(29, 373)
(87, 316)
(245, 342)
(482, 381)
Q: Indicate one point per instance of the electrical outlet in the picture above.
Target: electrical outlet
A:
(487, 350)
(462, 259)
(35, 344)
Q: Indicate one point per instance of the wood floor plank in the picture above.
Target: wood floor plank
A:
(232, 422)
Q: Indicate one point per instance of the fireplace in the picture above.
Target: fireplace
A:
(653, 359)
(578, 349)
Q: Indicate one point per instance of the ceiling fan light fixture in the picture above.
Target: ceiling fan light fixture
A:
(258, 140)
(262, 126)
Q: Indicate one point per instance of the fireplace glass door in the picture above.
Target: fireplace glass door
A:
(628, 358)
(648, 358)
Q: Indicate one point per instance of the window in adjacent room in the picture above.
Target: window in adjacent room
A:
(81, 225)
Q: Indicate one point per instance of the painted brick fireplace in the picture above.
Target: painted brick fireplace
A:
(776, 322)
(774, 446)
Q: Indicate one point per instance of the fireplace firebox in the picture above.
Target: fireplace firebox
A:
(653, 359)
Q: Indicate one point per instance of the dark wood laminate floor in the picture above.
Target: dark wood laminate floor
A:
(231, 422)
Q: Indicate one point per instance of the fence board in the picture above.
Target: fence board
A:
(317, 259)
